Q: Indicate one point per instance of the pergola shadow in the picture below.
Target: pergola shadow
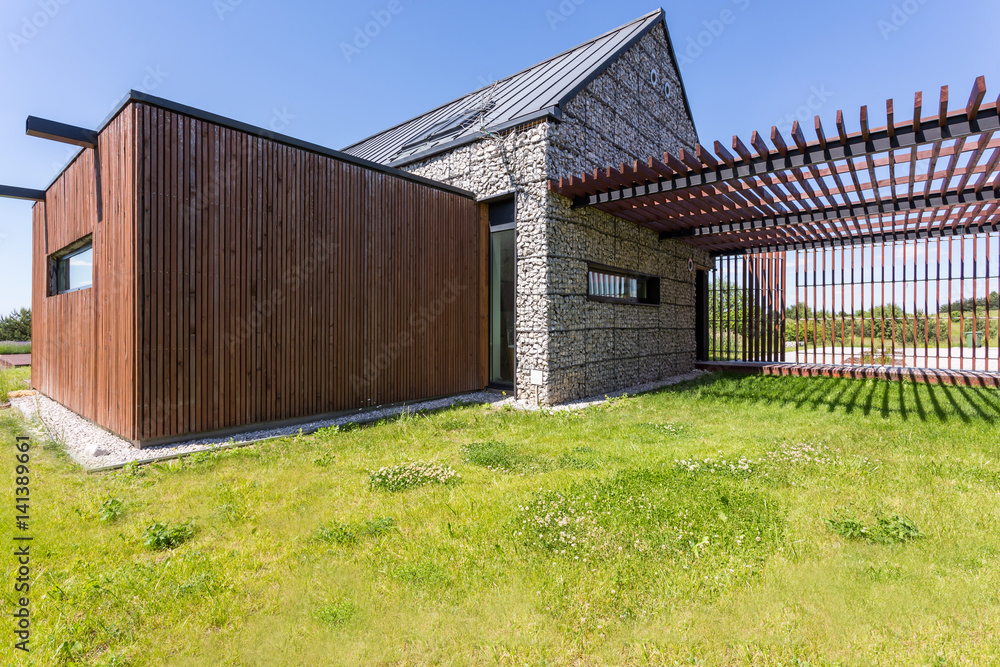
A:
(908, 400)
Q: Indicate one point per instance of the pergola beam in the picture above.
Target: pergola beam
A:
(888, 207)
(902, 136)
(61, 132)
(868, 239)
(27, 194)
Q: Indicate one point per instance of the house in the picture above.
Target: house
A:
(610, 101)
(196, 275)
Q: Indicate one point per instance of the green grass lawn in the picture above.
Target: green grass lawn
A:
(728, 521)
(15, 347)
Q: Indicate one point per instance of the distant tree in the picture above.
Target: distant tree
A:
(994, 300)
(16, 326)
(798, 312)
(727, 305)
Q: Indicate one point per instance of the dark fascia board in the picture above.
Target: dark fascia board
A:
(43, 128)
(22, 193)
(552, 113)
(198, 114)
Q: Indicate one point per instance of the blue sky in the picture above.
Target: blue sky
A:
(282, 65)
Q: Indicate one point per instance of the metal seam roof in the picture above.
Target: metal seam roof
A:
(545, 86)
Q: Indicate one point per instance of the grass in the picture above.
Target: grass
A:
(13, 379)
(728, 521)
(7, 347)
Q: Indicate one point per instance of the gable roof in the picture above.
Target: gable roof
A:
(537, 92)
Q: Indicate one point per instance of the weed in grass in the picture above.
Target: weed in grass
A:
(162, 536)
(67, 652)
(803, 454)
(496, 456)
(201, 458)
(644, 531)
(172, 466)
(336, 532)
(888, 529)
(112, 509)
(410, 475)
(668, 430)
(847, 526)
(325, 460)
(897, 529)
(741, 467)
(336, 613)
(130, 470)
(233, 505)
(581, 458)
(425, 573)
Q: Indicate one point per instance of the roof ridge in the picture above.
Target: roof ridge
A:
(659, 12)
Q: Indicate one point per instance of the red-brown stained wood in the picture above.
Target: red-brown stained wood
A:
(240, 281)
(84, 341)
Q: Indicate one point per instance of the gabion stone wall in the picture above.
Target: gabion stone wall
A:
(598, 347)
(583, 347)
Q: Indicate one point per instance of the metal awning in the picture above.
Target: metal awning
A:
(927, 177)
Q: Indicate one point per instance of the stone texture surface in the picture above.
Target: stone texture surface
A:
(584, 347)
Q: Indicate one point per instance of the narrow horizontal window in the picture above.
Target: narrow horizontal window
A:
(606, 284)
(72, 268)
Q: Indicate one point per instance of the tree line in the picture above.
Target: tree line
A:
(16, 326)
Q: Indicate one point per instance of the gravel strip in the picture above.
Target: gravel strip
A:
(97, 449)
(591, 401)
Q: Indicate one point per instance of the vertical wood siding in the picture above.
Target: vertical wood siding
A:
(275, 283)
(83, 342)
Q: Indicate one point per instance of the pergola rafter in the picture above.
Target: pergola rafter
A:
(906, 180)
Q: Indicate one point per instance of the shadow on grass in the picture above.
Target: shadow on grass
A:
(909, 401)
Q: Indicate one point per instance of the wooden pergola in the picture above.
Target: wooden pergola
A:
(930, 176)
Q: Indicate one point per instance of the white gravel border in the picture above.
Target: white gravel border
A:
(96, 449)
(580, 404)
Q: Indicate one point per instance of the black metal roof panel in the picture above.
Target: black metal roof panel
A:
(537, 92)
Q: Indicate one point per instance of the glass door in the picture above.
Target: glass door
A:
(503, 260)
(502, 331)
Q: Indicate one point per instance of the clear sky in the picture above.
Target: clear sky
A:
(282, 65)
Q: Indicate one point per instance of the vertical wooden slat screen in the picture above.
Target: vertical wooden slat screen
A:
(931, 303)
(747, 308)
(240, 281)
(280, 284)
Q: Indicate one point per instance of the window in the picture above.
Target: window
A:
(614, 285)
(72, 268)
(450, 127)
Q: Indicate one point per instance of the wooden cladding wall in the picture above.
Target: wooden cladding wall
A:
(83, 342)
(275, 283)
